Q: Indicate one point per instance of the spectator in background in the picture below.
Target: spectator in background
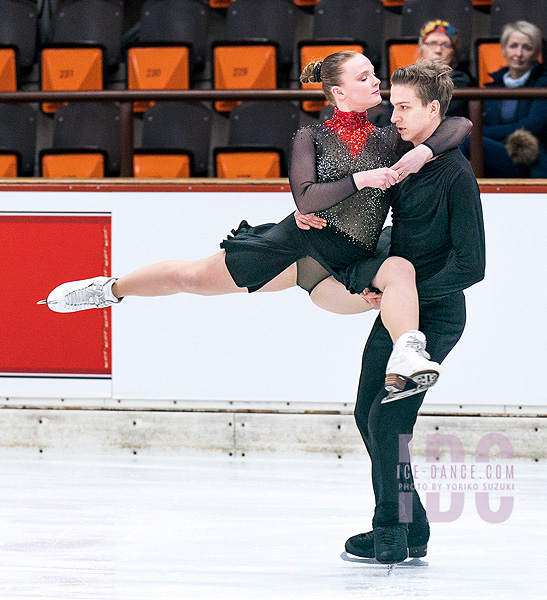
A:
(439, 42)
(515, 131)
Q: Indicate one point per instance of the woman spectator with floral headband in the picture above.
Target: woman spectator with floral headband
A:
(439, 42)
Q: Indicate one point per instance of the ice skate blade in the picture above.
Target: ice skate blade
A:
(393, 396)
(41, 302)
(409, 562)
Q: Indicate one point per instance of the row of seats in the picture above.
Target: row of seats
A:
(176, 141)
(172, 45)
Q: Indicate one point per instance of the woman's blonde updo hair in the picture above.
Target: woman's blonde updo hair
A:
(328, 72)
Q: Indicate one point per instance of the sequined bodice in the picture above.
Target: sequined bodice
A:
(346, 144)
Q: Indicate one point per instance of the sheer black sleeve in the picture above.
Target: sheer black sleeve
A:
(309, 195)
(449, 134)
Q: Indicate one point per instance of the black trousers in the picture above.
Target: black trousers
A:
(387, 428)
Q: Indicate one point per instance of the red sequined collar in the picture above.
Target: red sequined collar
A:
(351, 128)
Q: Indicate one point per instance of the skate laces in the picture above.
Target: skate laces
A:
(91, 295)
(389, 535)
(413, 343)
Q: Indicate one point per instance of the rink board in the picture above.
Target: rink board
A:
(258, 348)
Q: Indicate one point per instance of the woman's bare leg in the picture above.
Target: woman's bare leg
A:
(331, 295)
(206, 277)
(396, 279)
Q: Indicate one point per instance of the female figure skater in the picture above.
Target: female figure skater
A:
(339, 170)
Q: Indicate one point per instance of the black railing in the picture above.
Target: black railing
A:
(476, 97)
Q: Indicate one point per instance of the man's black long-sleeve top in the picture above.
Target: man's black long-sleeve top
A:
(438, 226)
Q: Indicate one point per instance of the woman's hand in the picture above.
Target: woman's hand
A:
(382, 178)
(412, 161)
(372, 298)
(308, 221)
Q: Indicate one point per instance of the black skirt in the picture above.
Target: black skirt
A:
(256, 255)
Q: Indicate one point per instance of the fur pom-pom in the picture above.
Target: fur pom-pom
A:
(522, 146)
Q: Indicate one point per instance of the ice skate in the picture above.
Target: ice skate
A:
(362, 544)
(390, 544)
(409, 369)
(82, 295)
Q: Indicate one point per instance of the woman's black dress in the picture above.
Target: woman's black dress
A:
(323, 159)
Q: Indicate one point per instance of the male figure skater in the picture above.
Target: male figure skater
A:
(438, 227)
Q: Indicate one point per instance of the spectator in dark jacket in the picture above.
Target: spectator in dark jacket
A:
(515, 131)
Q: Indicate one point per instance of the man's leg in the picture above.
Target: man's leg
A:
(387, 428)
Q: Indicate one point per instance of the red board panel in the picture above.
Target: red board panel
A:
(38, 253)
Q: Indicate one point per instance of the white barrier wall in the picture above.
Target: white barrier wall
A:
(280, 347)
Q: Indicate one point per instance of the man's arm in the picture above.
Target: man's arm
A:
(466, 262)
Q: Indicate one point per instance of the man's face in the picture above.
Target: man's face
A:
(415, 122)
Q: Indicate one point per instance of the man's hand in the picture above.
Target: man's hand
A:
(309, 221)
(372, 298)
(382, 178)
(412, 161)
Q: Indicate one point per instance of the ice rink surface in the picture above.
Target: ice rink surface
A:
(203, 526)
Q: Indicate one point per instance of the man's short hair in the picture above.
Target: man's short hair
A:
(431, 80)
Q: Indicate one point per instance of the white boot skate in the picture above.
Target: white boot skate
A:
(409, 369)
(82, 295)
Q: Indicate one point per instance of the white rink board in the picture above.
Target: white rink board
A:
(280, 347)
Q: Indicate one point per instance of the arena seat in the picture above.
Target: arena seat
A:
(390, 3)
(508, 11)
(87, 128)
(18, 126)
(258, 50)
(489, 59)
(459, 13)
(161, 165)
(175, 141)
(84, 41)
(346, 22)
(8, 70)
(8, 165)
(310, 52)
(401, 52)
(305, 3)
(259, 139)
(70, 69)
(172, 47)
(64, 164)
(255, 163)
(157, 68)
(482, 2)
(18, 29)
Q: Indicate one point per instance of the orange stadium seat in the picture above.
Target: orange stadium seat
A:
(393, 2)
(489, 59)
(157, 68)
(175, 141)
(401, 53)
(70, 69)
(72, 164)
(257, 52)
(8, 70)
(220, 3)
(482, 2)
(306, 2)
(166, 166)
(244, 66)
(8, 165)
(233, 163)
(312, 52)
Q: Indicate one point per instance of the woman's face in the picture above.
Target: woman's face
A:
(519, 53)
(438, 48)
(360, 88)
